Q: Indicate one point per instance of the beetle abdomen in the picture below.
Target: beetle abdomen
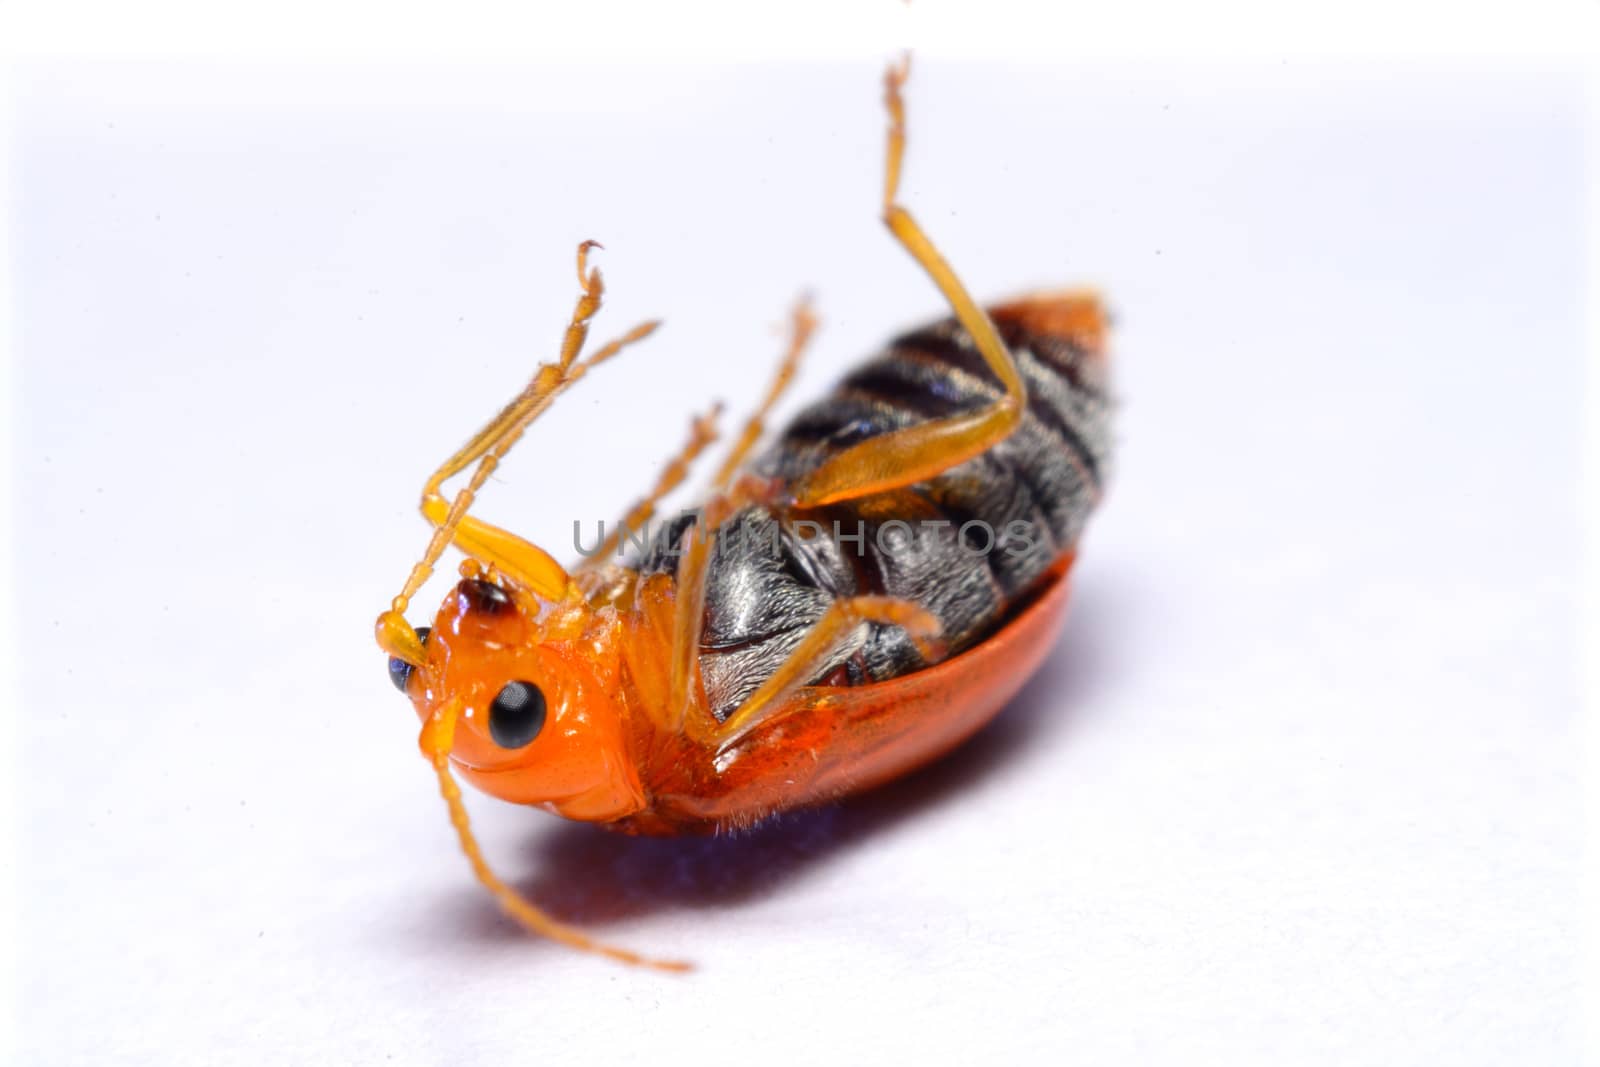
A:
(965, 545)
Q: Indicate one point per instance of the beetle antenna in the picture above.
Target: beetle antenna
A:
(437, 734)
(530, 564)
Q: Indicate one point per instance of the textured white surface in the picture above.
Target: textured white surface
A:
(1299, 783)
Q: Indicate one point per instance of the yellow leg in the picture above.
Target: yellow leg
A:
(690, 583)
(521, 560)
(803, 323)
(917, 453)
(841, 618)
(702, 432)
(889, 461)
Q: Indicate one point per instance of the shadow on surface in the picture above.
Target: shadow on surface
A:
(589, 877)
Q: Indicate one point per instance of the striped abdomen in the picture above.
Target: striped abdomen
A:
(965, 545)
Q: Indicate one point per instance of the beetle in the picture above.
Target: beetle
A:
(746, 661)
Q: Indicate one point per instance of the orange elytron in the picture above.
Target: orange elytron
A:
(845, 605)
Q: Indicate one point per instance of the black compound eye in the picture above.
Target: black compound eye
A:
(484, 598)
(399, 669)
(517, 715)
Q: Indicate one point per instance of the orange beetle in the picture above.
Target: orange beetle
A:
(745, 662)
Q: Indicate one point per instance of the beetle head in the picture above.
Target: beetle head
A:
(522, 693)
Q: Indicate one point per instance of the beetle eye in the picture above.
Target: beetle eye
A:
(399, 669)
(517, 715)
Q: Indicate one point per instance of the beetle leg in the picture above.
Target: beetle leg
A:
(916, 453)
(803, 323)
(702, 432)
(520, 559)
(815, 649)
(689, 610)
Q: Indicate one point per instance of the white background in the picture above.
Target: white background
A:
(1300, 782)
